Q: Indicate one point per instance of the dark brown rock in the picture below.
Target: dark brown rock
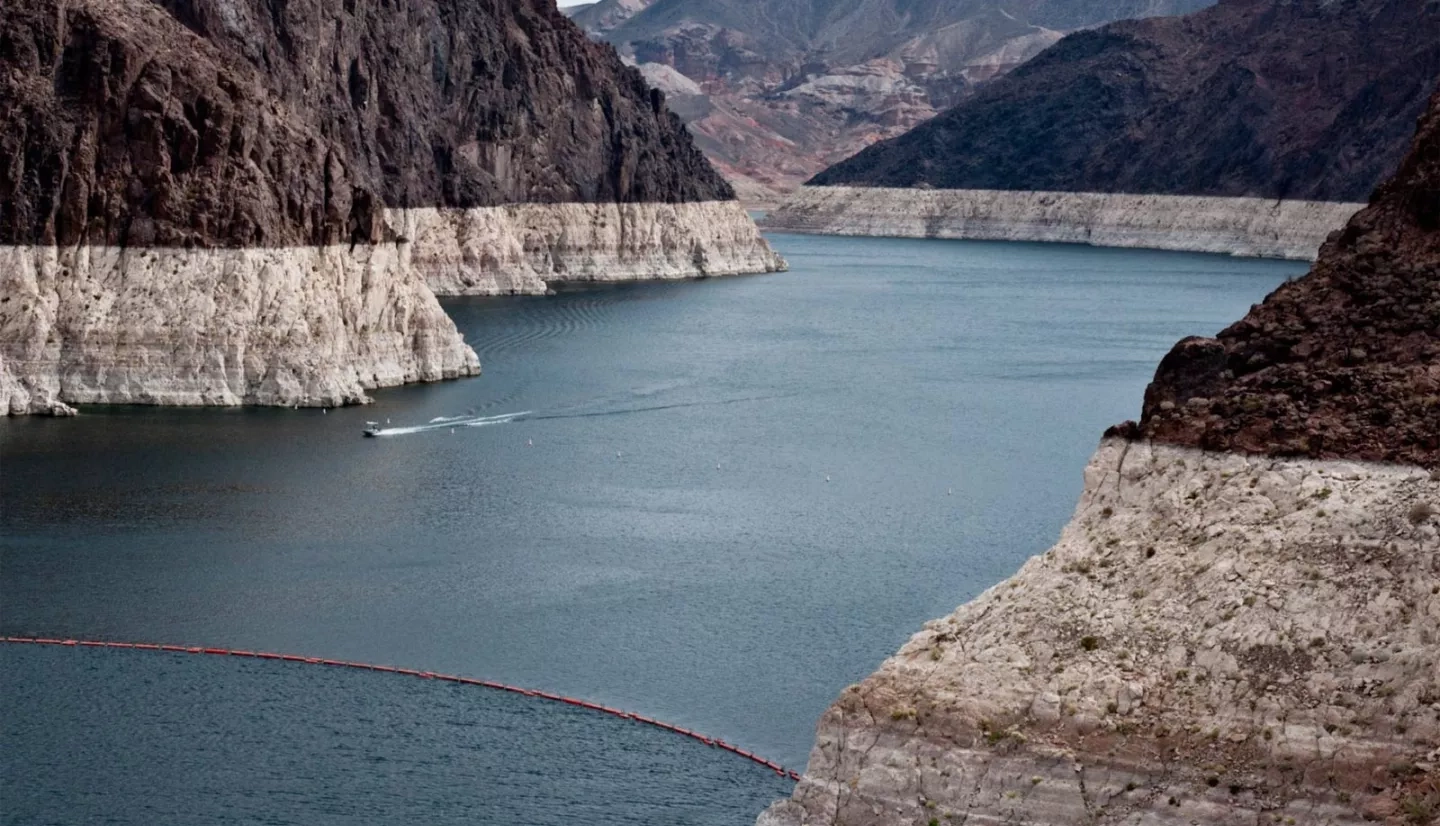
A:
(1307, 99)
(783, 88)
(245, 122)
(1342, 363)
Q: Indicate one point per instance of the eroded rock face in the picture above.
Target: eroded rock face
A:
(524, 248)
(1215, 638)
(1303, 99)
(1238, 635)
(306, 326)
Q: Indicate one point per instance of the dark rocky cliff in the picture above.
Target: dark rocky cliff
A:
(1343, 363)
(254, 123)
(1311, 99)
(776, 90)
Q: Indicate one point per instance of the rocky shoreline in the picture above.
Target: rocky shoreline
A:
(320, 326)
(1255, 227)
(526, 248)
(1241, 622)
(1215, 638)
(222, 202)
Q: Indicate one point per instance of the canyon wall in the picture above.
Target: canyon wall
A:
(198, 199)
(1236, 226)
(1241, 622)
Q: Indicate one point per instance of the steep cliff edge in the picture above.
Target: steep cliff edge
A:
(1241, 623)
(205, 202)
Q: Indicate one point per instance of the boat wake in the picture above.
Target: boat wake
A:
(597, 407)
(443, 422)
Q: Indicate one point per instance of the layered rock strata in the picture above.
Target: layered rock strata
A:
(197, 198)
(1241, 622)
(1237, 226)
(1215, 638)
(306, 326)
(524, 248)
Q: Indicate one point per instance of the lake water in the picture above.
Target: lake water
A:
(716, 503)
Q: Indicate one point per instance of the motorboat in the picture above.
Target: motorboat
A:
(372, 429)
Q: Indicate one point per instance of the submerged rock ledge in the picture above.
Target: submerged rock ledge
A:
(1236, 226)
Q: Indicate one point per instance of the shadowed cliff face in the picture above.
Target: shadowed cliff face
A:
(245, 123)
(1343, 363)
(1272, 98)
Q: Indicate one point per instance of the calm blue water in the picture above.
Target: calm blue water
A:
(725, 500)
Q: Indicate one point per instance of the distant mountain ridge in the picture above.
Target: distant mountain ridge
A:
(789, 86)
(1309, 99)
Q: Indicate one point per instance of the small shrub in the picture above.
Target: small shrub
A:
(1112, 707)
(1130, 787)
(1321, 494)
(1422, 512)
(1212, 781)
(1150, 552)
(1089, 643)
(1420, 810)
(1107, 511)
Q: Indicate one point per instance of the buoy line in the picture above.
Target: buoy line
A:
(714, 742)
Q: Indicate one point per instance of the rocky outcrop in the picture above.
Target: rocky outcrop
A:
(1342, 363)
(196, 197)
(1214, 639)
(1240, 623)
(1302, 99)
(787, 87)
(1236, 226)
